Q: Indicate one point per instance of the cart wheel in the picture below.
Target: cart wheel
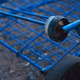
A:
(67, 68)
(53, 28)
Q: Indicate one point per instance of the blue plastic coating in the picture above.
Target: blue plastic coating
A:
(71, 26)
(23, 18)
(17, 10)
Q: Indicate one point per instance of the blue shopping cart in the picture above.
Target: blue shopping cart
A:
(23, 24)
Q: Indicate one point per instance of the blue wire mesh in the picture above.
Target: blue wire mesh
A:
(29, 39)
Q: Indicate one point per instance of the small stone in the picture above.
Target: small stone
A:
(39, 58)
(77, 41)
(12, 71)
(46, 54)
(32, 77)
(27, 64)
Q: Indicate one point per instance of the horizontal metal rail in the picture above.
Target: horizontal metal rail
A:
(23, 18)
(25, 12)
(71, 26)
(66, 28)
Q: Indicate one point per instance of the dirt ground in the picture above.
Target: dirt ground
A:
(13, 68)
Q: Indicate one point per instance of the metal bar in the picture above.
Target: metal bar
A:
(7, 25)
(27, 59)
(9, 47)
(25, 12)
(71, 26)
(47, 68)
(40, 3)
(30, 41)
(23, 18)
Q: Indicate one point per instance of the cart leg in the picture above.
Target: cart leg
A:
(68, 68)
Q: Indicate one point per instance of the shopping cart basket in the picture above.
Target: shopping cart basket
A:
(22, 24)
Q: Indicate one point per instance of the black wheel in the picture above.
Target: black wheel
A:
(53, 28)
(67, 68)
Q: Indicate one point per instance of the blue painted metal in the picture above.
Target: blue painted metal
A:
(22, 22)
(3, 1)
(23, 18)
(17, 10)
(71, 26)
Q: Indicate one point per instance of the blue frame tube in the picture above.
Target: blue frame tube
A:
(27, 59)
(21, 55)
(23, 18)
(71, 26)
(25, 12)
(9, 47)
(47, 68)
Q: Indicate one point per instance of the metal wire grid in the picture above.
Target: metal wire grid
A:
(29, 40)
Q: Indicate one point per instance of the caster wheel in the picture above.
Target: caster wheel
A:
(53, 28)
(68, 68)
